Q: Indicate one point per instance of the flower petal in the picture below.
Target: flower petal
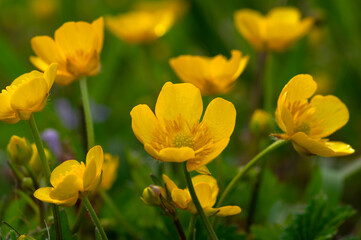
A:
(98, 26)
(47, 50)
(306, 145)
(93, 169)
(331, 113)
(200, 161)
(30, 97)
(181, 154)
(251, 25)
(67, 188)
(181, 197)
(7, 114)
(228, 211)
(179, 100)
(204, 194)
(220, 118)
(169, 183)
(144, 123)
(212, 182)
(63, 169)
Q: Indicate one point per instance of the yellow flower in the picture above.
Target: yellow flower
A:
(76, 48)
(73, 179)
(206, 189)
(19, 150)
(174, 133)
(110, 168)
(146, 23)
(279, 29)
(261, 121)
(26, 94)
(211, 75)
(307, 123)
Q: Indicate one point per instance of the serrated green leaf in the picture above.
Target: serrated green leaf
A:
(317, 222)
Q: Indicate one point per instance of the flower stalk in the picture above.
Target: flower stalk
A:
(94, 218)
(87, 113)
(191, 226)
(197, 204)
(259, 156)
(46, 169)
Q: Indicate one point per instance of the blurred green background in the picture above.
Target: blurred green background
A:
(134, 74)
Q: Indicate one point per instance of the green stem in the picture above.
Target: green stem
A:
(87, 112)
(46, 169)
(39, 146)
(32, 176)
(109, 202)
(94, 218)
(192, 224)
(18, 174)
(197, 204)
(230, 186)
(179, 228)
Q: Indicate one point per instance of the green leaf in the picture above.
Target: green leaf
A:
(317, 222)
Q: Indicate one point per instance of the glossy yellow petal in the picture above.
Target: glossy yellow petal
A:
(26, 77)
(63, 169)
(47, 50)
(98, 26)
(93, 169)
(220, 119)
(203, 170)
(228, 211)
(212, 182)
(144, 123)
(149, 149)
(67, 188)
(192, 69)
(331, 114)
(7, 113)
(50, 74)
(169, 183)
(177, 100)
(43, 194)
(216, 150)
(301, 86)
(181, 197)
(204, 194)
(171, 154)
(306, 145)
(30, 97)
(251, 24)
(110, 170)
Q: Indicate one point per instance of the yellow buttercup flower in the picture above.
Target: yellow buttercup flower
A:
(211, 75)
(26, 94)
(110, 168)
(307, 123)
(174, 133)
(73, 179)
(148, 22)
(76, 47)
(206, 188)
(279, 29)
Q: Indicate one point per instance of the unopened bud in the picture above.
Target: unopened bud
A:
(261, 122)
(152, 194)
(35, 163)
(19, 150)
(27, 184)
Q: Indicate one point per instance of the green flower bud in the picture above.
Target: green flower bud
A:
(19, 150)
(152, 194)
(261, 122)
(27, 184)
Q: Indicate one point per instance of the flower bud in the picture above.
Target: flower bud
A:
(27, 184)
(19, 150)
(152, 194)
(35, 163)
(260, 122)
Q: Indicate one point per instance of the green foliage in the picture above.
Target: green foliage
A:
(268, 232)
(318, 222)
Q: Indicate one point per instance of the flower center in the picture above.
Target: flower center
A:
(183, 140)
(304, 127)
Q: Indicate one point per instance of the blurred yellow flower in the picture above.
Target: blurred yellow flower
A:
(148, 22)
(26, 94)
(35, 163)
(261, 121)
(279, 29)
(43, 9)
(73, 179)
(206, 189)
(211, 75)
(174, 133)
(76, 47)
(110, 168)
(19, 150)
(307, 123)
